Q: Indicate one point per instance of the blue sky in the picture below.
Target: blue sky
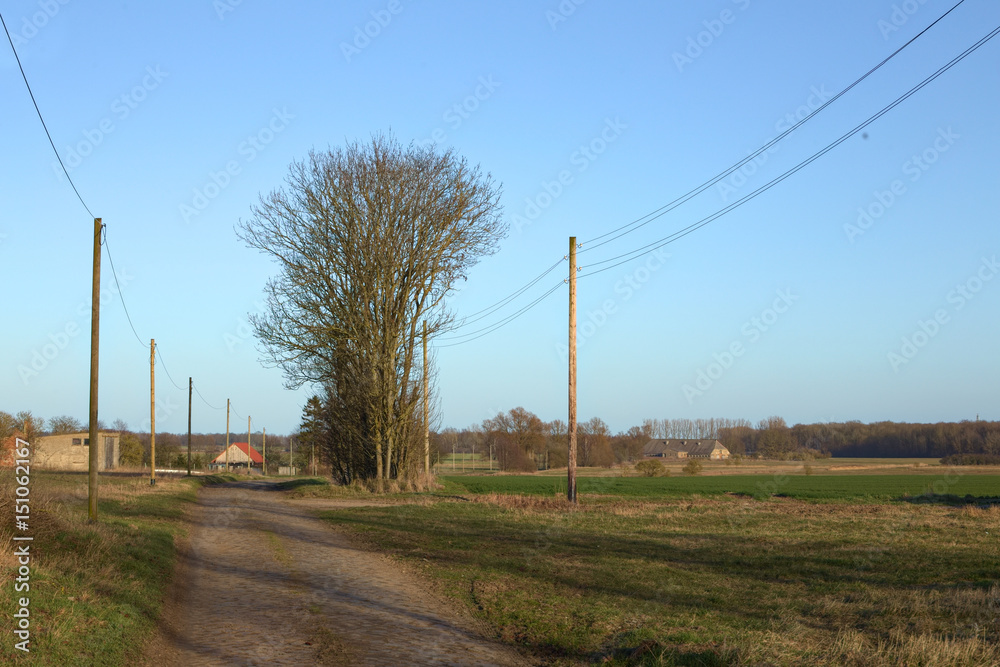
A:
(862, 287)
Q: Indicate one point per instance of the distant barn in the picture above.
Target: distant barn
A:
(239, 455)
(685, 449)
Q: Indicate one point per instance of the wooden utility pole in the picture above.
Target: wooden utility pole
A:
(427, 411)
(314, 459)
(249, 462)
(190, 388)
(152, 411)
(264, 445)
(227, 435)
(95, 337)
(571, 458)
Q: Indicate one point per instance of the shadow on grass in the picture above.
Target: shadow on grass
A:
(652, 652)
(952, 499)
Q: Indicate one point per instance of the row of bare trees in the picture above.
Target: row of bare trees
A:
(520, 441)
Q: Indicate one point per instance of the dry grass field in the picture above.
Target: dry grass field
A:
(694, 578)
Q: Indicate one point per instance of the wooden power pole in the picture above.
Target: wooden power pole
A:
(263, 444)
(571, 458)
(152, 411)
(95, 337)
(227, 435)
(190, 387)
(249, 462)
(427, 411)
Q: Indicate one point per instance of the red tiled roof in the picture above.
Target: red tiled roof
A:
(255, 456)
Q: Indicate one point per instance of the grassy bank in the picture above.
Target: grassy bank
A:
(710, 581)
(95, 589)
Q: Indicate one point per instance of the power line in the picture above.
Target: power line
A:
(500, 304)
(104, 242)
(203, 398)
(629, 256)
(488, 330)
(39, 112)
(164, 364)
(634, 225)
(663, 210)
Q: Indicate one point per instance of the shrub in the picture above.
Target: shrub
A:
(971, 460)
(649, 468)
(692, 467)
(129, 450)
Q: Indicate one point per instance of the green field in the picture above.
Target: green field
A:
(813, 487)
(458, 463)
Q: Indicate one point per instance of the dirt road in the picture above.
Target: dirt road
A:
(263, 582)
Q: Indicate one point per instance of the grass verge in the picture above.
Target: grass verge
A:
(96, 589)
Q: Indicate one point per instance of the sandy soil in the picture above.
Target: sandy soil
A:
(261, 581)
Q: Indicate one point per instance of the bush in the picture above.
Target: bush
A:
(129, 450)
(971, 460)
(649, 468)
(692, 467)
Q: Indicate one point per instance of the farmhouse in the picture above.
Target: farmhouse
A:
(685, 449)
(239, 454)
(71, 451)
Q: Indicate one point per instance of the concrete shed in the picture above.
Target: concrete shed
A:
(71, 451)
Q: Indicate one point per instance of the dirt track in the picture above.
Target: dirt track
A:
(263, 582)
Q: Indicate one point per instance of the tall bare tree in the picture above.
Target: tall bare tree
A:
(370, 239)
(65, 424)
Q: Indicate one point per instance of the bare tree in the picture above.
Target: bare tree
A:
(370, 239)
(65, 424)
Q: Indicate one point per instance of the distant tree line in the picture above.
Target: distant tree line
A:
(518, 440)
